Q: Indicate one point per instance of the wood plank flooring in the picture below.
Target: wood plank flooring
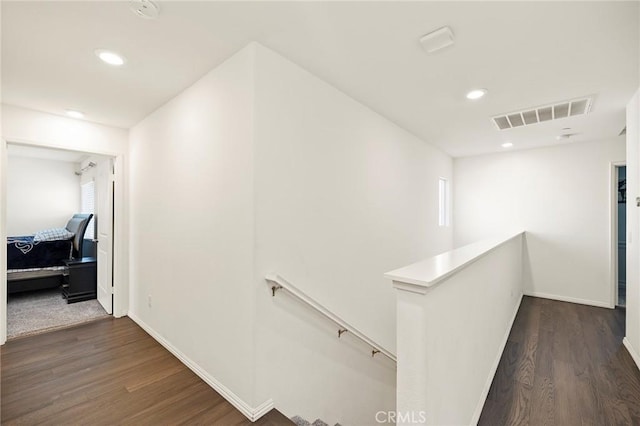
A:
(103, 373)
(564, 364)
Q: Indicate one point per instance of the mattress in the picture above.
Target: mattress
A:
(25, 253)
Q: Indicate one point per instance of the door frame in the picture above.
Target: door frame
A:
(613, 230)
(120, 231)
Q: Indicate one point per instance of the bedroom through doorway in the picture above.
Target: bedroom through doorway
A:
(59, 223)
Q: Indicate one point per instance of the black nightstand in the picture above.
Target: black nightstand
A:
(79, 279)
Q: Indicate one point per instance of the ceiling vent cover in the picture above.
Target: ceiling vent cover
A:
(537, 115)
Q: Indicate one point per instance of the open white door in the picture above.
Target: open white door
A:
(104, 223)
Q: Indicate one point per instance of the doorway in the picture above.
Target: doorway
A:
(46, 189)
(621, 232)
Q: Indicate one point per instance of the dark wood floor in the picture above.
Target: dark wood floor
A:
(564, 364)
(103, 373)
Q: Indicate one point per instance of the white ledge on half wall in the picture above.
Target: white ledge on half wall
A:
(419, 276)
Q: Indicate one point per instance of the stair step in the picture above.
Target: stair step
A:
(299, 421)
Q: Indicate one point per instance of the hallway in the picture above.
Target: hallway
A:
(564, 364)
(107, 372)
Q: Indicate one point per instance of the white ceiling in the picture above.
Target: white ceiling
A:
(525, 53)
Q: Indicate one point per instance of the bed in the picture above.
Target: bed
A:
(36, 265)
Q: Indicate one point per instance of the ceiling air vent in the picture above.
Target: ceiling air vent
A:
(544, 113)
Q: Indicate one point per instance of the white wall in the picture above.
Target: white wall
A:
(560, 196)
(191, 207)
(632, 332)
(23, 125)
(451, 338)
(262, 167)
(41, 194)
(342, 196)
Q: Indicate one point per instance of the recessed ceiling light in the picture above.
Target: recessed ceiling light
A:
(74, 114)
(507, 145)
(476, 94)
(109, 57)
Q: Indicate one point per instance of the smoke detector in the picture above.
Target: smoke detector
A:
(537, 115)
(144, 8)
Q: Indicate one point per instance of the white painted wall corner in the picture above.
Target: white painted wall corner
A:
(252, 413)
(595, 303)
(634, 354)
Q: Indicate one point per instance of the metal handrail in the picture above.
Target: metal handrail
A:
(277, 282)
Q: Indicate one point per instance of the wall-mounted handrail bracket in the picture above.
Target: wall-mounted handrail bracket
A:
(374, 352)
(275, 288)
(276, 282)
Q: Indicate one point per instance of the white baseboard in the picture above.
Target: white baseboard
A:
(568, 299)
(632, 351)
(494, 367)
(251, 413)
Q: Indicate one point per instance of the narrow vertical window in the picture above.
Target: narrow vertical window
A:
(87, 201)
(443, 202)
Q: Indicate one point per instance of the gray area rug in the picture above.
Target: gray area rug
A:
(38, 311)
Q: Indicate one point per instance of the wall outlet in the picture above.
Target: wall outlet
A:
(149, 300)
